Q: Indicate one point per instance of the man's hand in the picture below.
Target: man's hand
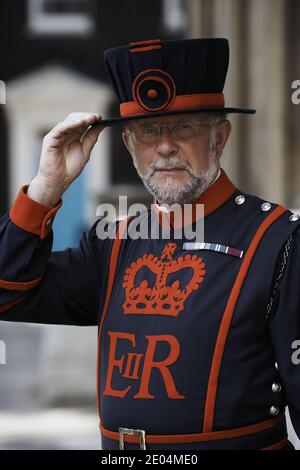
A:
(66, 150)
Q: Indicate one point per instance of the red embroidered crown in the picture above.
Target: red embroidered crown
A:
(161, 299)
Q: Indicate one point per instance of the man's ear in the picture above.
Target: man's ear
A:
(127, 141)
(223, 133)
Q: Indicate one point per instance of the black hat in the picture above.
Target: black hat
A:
(160, 77)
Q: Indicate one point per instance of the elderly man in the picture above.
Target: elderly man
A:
(186, 160)
(197, 340)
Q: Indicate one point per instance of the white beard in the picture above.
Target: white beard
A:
(173, 193)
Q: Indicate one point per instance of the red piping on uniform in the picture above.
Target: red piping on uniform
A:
(200, 437)
(5, 307)
(21, 285)
(278, 446)
(144, 49)
(111, 275)
(227, 317)
(145, 43)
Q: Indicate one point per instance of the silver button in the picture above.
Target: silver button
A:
(294, 217)
(240, 199)
(49, 221)
(265, 207)
(276, 387)
(274, 410)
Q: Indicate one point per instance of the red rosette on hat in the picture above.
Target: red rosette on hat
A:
(154, 90)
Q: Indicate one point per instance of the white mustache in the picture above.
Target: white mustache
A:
(162, 165)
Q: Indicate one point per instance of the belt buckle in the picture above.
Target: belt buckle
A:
(132, 432)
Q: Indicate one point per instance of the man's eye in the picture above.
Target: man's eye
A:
(149, 130)
(183, 125)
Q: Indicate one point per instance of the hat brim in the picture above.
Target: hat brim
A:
(121, 120)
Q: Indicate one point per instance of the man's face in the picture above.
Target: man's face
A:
(176, 166)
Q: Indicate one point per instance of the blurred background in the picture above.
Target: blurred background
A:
(51, 64)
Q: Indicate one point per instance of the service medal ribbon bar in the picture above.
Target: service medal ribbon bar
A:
(227, 250)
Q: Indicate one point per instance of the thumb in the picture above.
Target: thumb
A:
(90, 138)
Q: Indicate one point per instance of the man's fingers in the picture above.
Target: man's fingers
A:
(73, 123)
(90, 138)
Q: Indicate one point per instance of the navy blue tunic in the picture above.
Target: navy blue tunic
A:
(187, 343)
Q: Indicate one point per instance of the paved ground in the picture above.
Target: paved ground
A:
(52, 429)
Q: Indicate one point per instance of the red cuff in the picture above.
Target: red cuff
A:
(32, 216)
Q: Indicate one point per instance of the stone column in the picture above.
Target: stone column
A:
(265, 70)
(254, 154)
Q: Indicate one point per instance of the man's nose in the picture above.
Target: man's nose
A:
(166, 144)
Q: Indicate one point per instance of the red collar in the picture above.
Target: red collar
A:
(214, 196)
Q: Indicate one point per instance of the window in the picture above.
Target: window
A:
(2, 92)
(61, 17)
(174, 16)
